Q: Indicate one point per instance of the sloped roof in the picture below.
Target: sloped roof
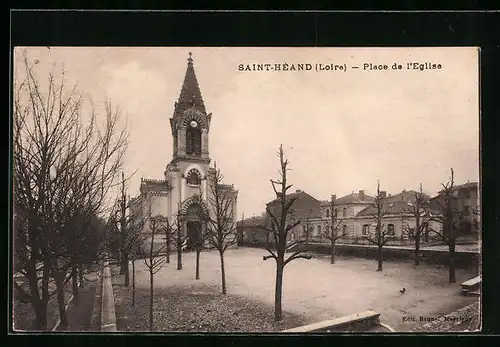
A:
(391, 207)
(297, 194)
(354, 198)
(406, 195)
(301, 207)
(468, 185)
(190, 93)
(251, 221)
(396, 207)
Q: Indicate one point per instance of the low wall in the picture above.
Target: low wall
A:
(95, 322)
(358, 322)
(108, 316)
(463, 260)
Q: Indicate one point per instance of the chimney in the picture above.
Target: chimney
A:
(383, 194)
(333, 197)
(362, 195)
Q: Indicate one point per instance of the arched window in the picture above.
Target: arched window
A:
(344, 230)
(193, 141)
(366, 229)
(328, 212)
(390, 229)
(344, 212)
(193, 177)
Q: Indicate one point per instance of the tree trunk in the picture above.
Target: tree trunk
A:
(451, 275)
(40, 308)
(151, 300)
(222, 272)
(179, 258)
(45, 290)
(198, 264)
(61, 303)
(417, 249)
(80, 274)
(278, 290)
(168, 250)
(39, 303)
(74, 284)
(133, 281)
(127, 272)
(332, 253)
(122, 261)
(380, 258)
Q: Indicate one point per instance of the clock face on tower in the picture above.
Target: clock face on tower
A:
(193, 124)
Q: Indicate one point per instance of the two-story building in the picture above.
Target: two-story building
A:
(465, 203)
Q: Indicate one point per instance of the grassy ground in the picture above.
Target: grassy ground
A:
(318, 290)
(24, 314)
(464, 319)
(78, 315)
(195, 308)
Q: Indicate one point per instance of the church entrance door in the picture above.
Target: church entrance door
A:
(193, 234)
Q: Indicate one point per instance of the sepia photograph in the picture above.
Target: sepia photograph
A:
(246, 190)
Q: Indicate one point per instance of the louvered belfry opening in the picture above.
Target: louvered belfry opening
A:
(193, 141)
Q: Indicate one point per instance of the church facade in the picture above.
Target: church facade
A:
(189, 180)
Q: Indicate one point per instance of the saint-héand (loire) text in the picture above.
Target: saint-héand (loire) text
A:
(319, 67)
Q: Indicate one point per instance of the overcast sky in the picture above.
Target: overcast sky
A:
(342, 131)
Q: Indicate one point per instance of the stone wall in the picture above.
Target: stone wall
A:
(464, 260)
(358, 322)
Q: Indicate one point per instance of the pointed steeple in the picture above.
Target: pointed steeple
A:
(190, 93)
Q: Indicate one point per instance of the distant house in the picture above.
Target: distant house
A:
(347, 209)
(306, 208)
(398, 221)
(250, 230)
(355, 212)
(466, 203)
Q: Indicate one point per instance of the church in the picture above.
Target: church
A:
(189, 175)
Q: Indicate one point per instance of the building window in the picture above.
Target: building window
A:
(193, 141)
(344, 212)
(390, 229)
(344, 230)
(327, 212)
(366, 229)
(467, 210)
(336, 212)
(194, 177)
(319, 229)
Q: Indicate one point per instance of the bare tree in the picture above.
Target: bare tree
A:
(129, 232)
(279, 230)
(124, 254)
(169, 239)
(128, 235)
(306, 226)
(221, 227)
(331, 233)
(449, 217)
(63, 169)
(199, 246)
(419, 210)
(178, 237)
(154, 260)
(381, 235)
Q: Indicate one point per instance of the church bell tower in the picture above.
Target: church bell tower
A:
(190, 123)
